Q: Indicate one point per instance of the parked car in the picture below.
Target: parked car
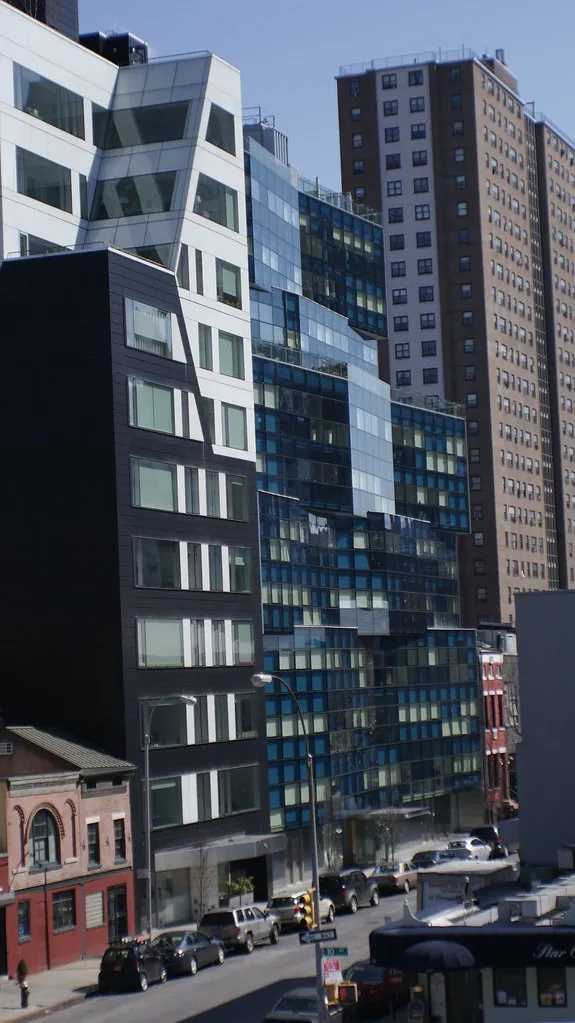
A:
(376, 987)
(289, 908)
(131, 964)
(427, 858)
(489, 834)
(349, 889)
(241, 928)
(187, 951)
(301, 1004)
(457, 854)
(395, 877)
(476, 847)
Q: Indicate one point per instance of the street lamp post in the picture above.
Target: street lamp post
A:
(259, 681)
(189, 701)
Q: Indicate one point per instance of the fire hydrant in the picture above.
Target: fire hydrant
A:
(24, 995)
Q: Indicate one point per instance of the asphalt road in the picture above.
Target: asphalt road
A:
(243, 989)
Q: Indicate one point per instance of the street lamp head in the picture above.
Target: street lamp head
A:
(261, 679)
(189, 700)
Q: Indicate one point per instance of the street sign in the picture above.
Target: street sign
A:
(332, 972)
(312, 937)
(334, 953)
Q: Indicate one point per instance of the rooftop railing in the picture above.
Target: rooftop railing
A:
(404, 60)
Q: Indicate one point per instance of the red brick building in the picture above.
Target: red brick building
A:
(496, 755)
(66, 881)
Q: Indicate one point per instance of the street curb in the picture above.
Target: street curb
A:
(42, 1013)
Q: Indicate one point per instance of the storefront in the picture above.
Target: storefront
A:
(485, 974)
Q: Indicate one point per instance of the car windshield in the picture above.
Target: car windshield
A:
(115, 955)
(424, 857)
(172, 938)
(457, 845)
(304, 1006)
(365, 974)
(389, 868)
(217, 920)
(282, 903)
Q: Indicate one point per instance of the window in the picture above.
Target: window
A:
(463, 236)
(465, 262)
(160, 643)
(229, 284)
(199, 272)
(358, 166)
(355, 113)
(357, 141)
(237, 497)
(394, 188)
(93, 830)
(23, 919)
(480, 594)
(469, 373)
(359, 193)
(243, 643)
(396, 241)
(203, 782)
(467, 318)
(426, 293)
(455, 74)
(221, 716)
(94, 909)
(461, 209)
(390, 108)
(139, 126)
(44, 842)
(238, 790)
(551, 985)
(392, 134)
(215, 564)
(402, 350)
(459, 155)
(430, 376)
(198, 640)
(418, 131)
(395, 215)
(456, 101)
(218, 642)
(471, 400)
(195, 573)
(216, 202)
(465, 290)
(212, 494)
(398, 269)
(474, 455)
(48, 101)
(415, 77)
(63, 911)
(428, 348)
(421, 184)
(246, 716)
(166, 802)
(476, 509)
(231, 349)
(201, 728)
(31, 245)
(457, 128)
(234, 429)
(389, 81)
(400, 323)
(151, 406)
(354, 87)
(240, 570)
(424, 266)
(427, 321)
(205, 346)
(478, 538)
(423, 212)
(133, 196)
(207, 406)
(510, 987)
(399, 296)
(157, 563)
(472, 427)
(460, 181)
(403, 378)
(468, 345)
(154, 485)
(119, 840)
(183, 268)
(148, 328)
(393, 161)
(221, 129)
(475, 484)
(416, 104)
(43, 180)
(423, 239)
(419, 158)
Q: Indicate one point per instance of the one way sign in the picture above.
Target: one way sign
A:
(312, 937)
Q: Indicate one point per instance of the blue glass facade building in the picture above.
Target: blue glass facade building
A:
(361, 501)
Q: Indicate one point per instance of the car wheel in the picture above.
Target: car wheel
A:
(331, 915)
(249, 945)
(274, 935)
(193, 966)
(163, 975)
(375, 897)
(143, 982)
(353, 904)
(221, 955)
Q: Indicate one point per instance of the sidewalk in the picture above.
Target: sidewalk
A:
(49, 990)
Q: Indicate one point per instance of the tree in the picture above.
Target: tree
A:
(331, 831)
(204, 883)
(240, 886)
(389, 828)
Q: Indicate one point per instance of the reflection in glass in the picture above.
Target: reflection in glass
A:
(234, 427)
(30, 245)
(160, 643)
(237, 497)
(166, 799)
(240, 570)
(148, 328)
(229, 284)
(154, 485)
(231, 349)
(238, 790)
(133, 196)
(216, 202)
(157, 563)
(139, 126)
(218, 642)
(221, 129)
(151, 406)
(49, 102)
(44, 180)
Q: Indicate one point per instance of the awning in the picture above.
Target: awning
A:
(236, 847)
(490, 945)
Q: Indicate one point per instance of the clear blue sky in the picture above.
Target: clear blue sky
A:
(290, 52)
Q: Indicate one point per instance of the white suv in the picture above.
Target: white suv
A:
(289, 907)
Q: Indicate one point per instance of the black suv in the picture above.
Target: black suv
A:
(130, 965)
(349, 889)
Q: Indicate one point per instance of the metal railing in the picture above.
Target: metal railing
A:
(404, 60)
(541, 117)
(433, 402)
(341, 200)
(295, 357)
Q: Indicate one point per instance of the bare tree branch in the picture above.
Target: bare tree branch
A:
(389, 828)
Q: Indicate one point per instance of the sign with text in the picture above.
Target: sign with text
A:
(332, 972)
(311, 937)
(334, 953)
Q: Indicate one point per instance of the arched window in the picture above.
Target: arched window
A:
(44, 840)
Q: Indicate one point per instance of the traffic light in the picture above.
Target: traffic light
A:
(308, 906)
(347, 994)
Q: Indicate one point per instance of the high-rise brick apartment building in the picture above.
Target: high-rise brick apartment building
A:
(478, 196)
